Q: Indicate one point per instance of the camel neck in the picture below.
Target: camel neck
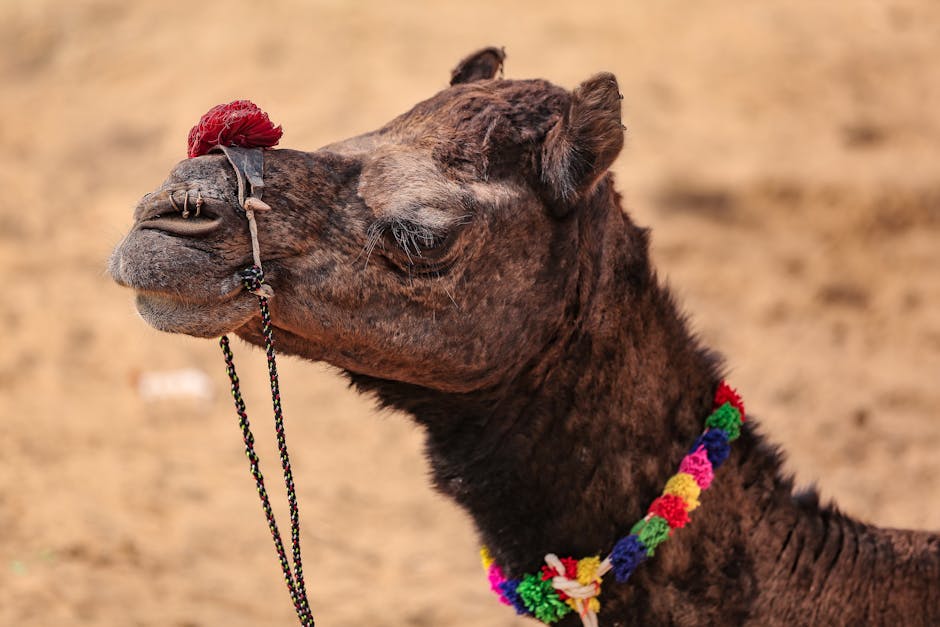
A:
(571, 456)
(566, 456)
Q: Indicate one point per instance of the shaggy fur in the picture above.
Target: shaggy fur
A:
(470, 264)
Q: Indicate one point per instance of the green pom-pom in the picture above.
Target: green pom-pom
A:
(728, 419)
(652, 532)
(541, 599)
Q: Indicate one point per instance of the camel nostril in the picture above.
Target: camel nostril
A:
(192, 203)
(186, 221)
(178, 225)
(180, 212)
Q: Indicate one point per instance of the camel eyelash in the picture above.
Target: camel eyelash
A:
(420, 243)
(413, 239)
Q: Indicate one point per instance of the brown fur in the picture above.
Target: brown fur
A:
(470, 263)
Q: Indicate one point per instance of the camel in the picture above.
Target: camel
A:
(470, 264)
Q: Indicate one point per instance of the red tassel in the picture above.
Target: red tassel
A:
(240, 123)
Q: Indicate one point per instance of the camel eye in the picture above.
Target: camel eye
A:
(415, 240)
(415, 246)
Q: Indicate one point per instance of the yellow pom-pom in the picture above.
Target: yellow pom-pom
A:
(486, 558)
(587, 570)
(594, 605)
(684, 485)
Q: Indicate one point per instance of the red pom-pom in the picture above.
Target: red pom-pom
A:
(727, 394)
(571, 572)
(240, 123)
(571, 569)
(672, 508)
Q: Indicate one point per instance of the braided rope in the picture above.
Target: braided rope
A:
(253, 280)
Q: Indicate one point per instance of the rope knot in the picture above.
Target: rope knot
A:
(580, 588)
(253, 280)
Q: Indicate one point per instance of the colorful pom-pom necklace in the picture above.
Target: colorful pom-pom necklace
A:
(566, 584)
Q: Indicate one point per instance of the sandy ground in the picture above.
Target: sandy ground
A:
(786, 155)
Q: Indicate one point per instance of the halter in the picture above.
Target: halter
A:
(248, 164)
(241, 131)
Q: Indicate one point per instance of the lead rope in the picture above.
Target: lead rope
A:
(253, 281)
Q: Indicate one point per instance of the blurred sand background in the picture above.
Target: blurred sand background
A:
(786, 155)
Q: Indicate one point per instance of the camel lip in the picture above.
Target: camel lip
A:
(199, 299)
(149, 283)
(169, 313)
(183, 227)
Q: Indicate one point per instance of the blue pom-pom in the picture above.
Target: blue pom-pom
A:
(508, 588)
(628, 553)
(716, 446)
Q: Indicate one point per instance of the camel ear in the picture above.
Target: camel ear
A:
(481, 65)
(584, 143)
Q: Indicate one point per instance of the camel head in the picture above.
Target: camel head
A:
(441, 250)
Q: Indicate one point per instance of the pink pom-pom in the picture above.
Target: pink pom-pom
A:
(496, 577)
(698, 465)
(240, 123)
